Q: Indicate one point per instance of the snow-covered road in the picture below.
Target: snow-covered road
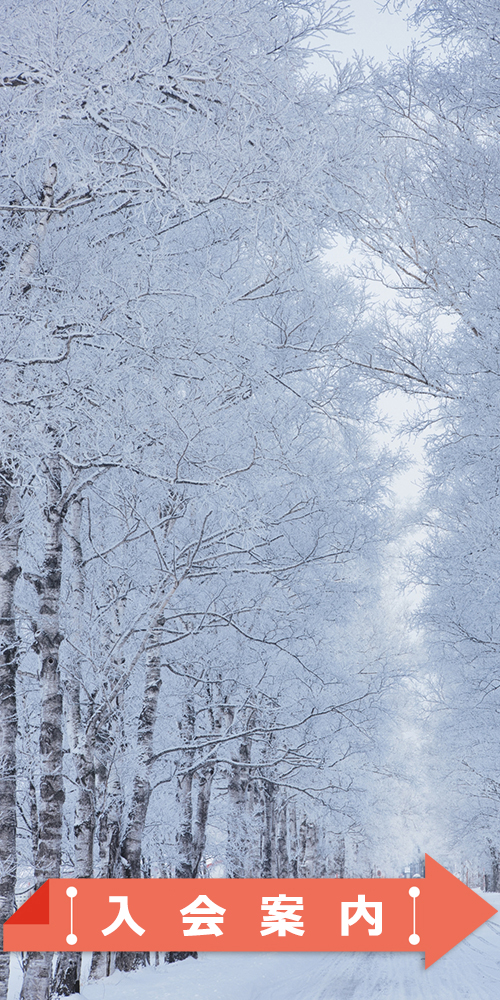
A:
(471, 971)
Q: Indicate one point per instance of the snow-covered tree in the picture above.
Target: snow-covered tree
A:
(188, 491)
(430, 227)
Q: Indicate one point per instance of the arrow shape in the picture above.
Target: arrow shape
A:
(450, 911)
(431, 914)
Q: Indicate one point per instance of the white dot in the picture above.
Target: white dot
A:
(414, 891)
(71, 891)
(71, 939)
(414, 939)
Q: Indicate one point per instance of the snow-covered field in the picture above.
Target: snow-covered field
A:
(471, 970)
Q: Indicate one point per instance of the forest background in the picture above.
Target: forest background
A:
(206, 663)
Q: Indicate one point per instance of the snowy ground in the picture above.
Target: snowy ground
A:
(471, 970)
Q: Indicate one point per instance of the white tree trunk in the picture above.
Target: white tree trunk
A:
(203, 790)
(36, 981)
(184, 837)
(194, 786)
(67, 974)
(293, 842)
(106, 739)
(282, 860)
(238, 837)
(132, 843)
(268, 861)
(309, 858)
(30, 257)
(131, 848)
(10, 529)
(109, 794)
(337, 862)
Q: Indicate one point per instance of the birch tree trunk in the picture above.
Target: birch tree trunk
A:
(193, 795)
(132, 843)
(293, 841)
(268, 860)
(282, 860)
(194, 786)
(337, 866)
(221, 716)
(310, 864)
(184, 795)
(237, 788)
(30, 256)
(494, 878)
(10, 528)
(109, 794)
(251, 834)
(68, 968)
(184, 836)
(106, 737)
(254, 823)
(36, 981)
(203, 789)
(37, 969)
(106, 740)
(131, 849)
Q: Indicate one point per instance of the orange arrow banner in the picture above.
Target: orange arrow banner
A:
(431, 914)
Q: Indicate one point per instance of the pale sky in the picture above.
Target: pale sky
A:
(375, 31)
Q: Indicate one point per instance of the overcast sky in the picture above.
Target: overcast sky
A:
(375, 31)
